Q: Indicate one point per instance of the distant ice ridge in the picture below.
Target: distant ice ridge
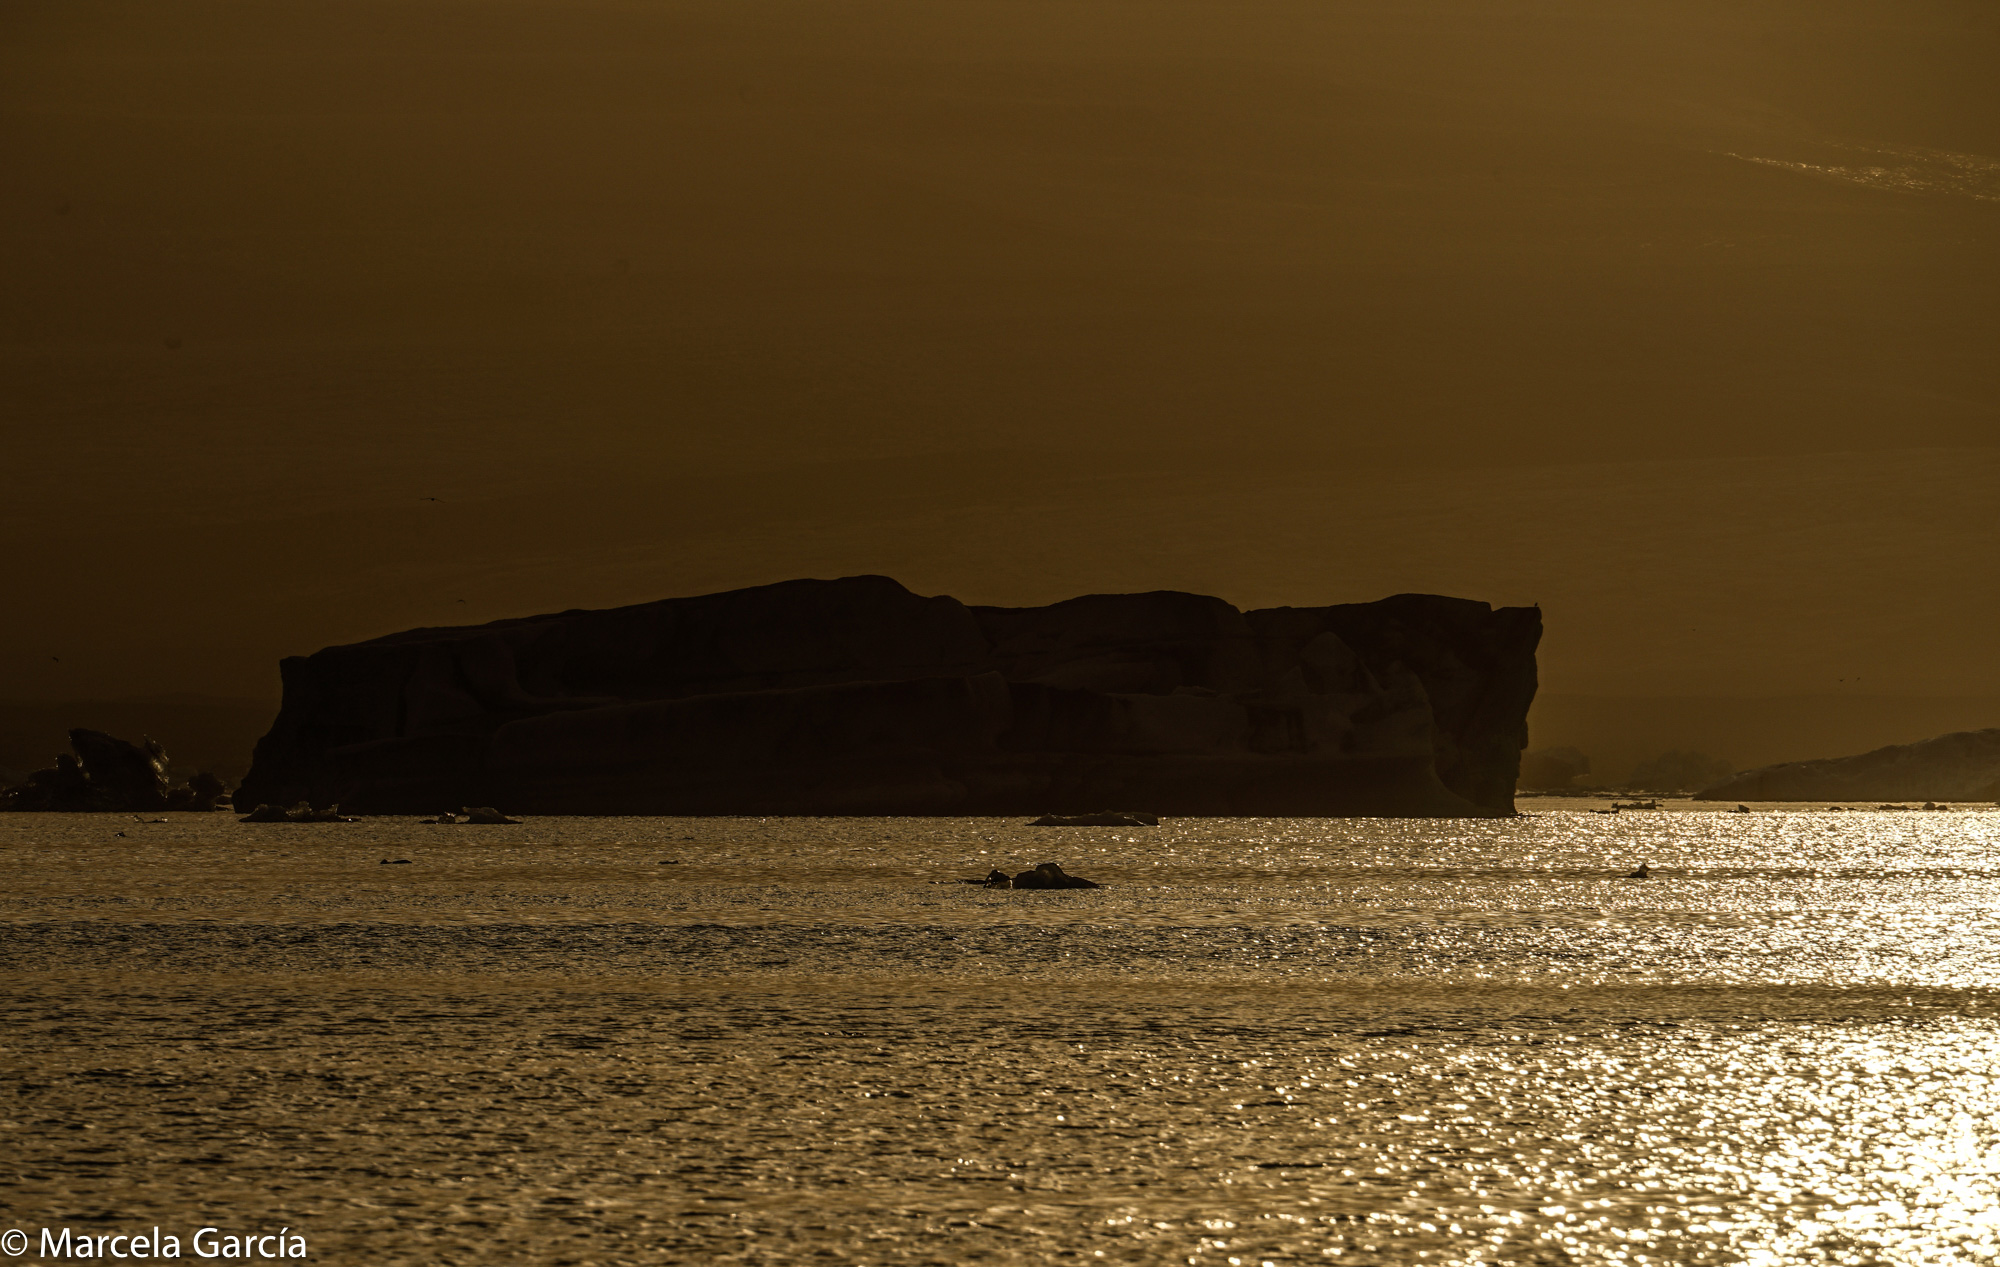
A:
(1916, 171)
(1964, 766)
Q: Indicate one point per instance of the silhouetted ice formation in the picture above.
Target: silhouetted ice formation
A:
(303, 812)
(1963, 766)
(106, 773)
(856, 696)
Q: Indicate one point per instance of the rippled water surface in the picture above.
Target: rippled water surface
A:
(799, 1040)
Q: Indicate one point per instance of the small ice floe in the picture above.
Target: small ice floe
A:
(1105, 818)
(303, 812)
(481, 815)
(1046, 876)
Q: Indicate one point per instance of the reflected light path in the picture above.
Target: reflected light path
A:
(1265, 1041)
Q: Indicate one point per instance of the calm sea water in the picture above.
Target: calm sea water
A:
(614, 1041)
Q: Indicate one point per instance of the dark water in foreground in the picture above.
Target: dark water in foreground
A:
(1351, 1041)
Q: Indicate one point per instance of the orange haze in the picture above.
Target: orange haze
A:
(1678, 317)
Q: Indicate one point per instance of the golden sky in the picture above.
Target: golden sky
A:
(1678, 317)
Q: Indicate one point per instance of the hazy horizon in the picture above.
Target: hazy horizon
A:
(1674, 318)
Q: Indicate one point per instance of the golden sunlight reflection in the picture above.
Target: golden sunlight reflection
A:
(1265, 1040)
